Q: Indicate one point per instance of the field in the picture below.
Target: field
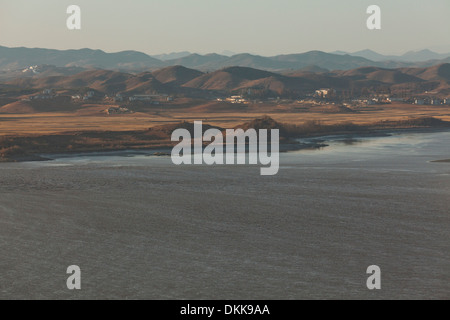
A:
(93, 117)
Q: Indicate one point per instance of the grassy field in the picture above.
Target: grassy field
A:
(93, 117)
(24, 137)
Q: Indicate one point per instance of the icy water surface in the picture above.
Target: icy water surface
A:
(141, 228)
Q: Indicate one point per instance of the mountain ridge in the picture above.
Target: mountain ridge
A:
(235, 80)
(21, 58)
(410, 56)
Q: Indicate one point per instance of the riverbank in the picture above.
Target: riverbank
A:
(157, 139)
(442, 161)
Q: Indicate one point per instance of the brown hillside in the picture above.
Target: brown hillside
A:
(177, 75)
(180, 80)
(58, 104)
(18, 107)
(388, 76)
(100, 80)
(144, 83)
(228, 78)
(435, 73)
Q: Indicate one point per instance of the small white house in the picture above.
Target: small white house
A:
(419, 101)
(435, 102)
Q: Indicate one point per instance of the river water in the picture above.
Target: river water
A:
(141, 228)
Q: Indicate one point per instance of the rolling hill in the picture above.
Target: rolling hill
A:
(99, 80)
(237, 80)
(228, 78)
(435, 73)
(388, 76)
(176, 75)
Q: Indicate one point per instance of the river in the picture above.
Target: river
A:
(140, 227)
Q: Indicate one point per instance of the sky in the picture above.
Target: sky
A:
(264, 27)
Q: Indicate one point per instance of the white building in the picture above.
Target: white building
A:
(419, 101)
(324, 93)
(236, 99)
(435, 102)
(395, 99)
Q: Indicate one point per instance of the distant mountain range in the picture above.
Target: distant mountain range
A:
(14, 58)
(20, 58)
(183, 54)
(411, 56)
(172, 56)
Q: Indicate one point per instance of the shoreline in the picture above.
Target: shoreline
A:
(441, 161)
(164, 149)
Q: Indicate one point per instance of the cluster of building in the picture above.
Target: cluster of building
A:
(31, 69)
(234, 99)
(152, 98)
(432, 101)
(325, 93)
(44, 95)
(330, 94)
(377, 100)
(88, 96)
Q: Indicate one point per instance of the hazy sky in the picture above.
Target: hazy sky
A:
(265, 27)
